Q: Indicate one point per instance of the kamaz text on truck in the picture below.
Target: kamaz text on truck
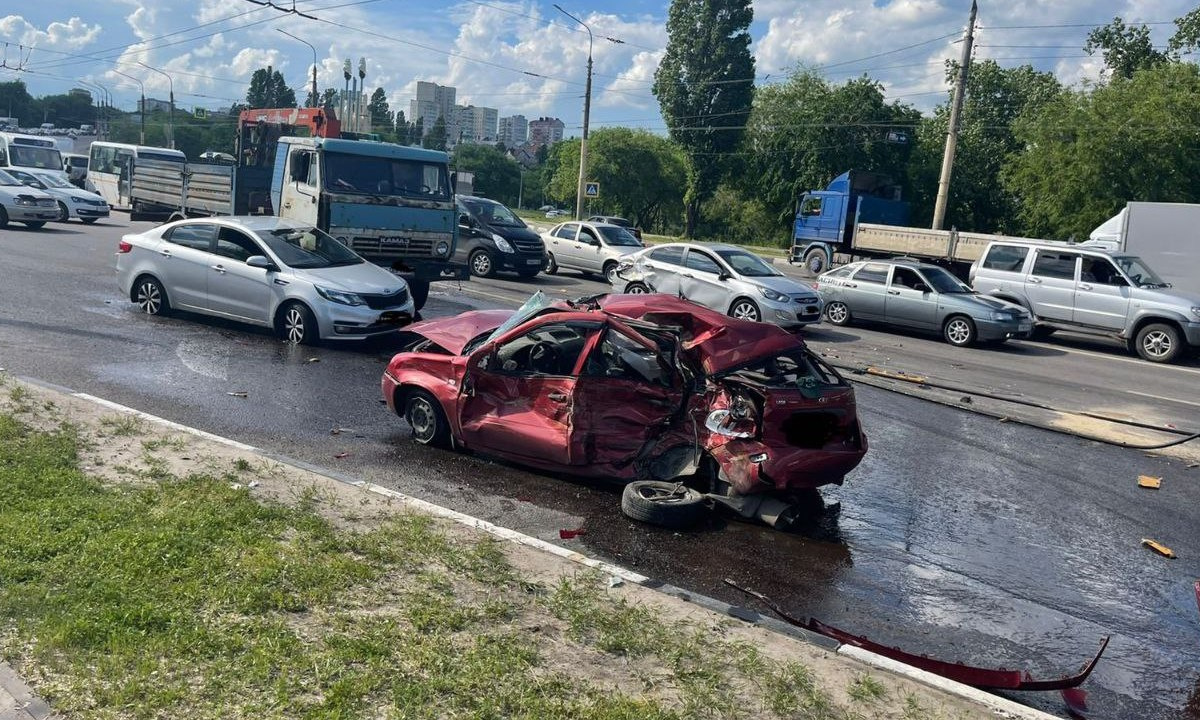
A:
(860, 215)
(393, 204)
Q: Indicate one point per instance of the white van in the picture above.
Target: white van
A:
(30, 152)
(110, 168)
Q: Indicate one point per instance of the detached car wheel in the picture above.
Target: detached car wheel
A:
(298, 326)
(1159, 343)
(150, 296)
(666, 504)
(837, 313)
(424, 415)
(959, 331)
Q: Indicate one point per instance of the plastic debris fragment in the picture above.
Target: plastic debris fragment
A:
(570, 534)
(239, 394)
(1147, 481)
(1158, 547)
(341, 455)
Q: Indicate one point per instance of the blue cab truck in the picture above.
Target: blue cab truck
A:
(860, 215)
(392, 204)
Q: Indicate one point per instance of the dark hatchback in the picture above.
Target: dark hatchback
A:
(492, 238)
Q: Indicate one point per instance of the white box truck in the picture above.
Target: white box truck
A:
(1165, 235)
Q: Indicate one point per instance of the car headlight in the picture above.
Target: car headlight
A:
(443, 247)
(1196, 311)
(339, 296)
(26, 201)
(502, 244)
(1000, 315)
(772, 295)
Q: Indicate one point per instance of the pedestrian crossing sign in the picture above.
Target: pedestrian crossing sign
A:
(591, 189)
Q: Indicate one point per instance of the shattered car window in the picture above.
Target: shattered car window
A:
(552, 349)
(797, 369)
(535, 304)
(618, 356)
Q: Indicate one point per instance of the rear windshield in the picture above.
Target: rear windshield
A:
(619, 236)
(795, 369)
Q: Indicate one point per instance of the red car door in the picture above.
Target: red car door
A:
(625, 395)
(517, 399)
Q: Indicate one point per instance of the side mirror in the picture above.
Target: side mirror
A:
(465, 220)
(921, 287)
(261, 261)
(35, 184)
(723, 276)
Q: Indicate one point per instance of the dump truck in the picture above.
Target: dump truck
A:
(1165, 235)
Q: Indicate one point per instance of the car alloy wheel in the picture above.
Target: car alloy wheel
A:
(610, 273)
(1158, 343)
(745, 310)
(838, 313)
(637, 288)
(551, 266)
(150, 296)
(959, 331)
(481, 264)
(63, 213)
(298, 326)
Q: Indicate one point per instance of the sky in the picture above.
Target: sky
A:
(526, 57)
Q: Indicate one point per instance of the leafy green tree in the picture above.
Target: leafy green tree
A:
(268, 89)
(380, 112)
(1090, 152)
(1187, 35)
(497, 176)
(435, 139)
(805, 131)
(402, 128)
(1125, 48)
(705, 88)
(996, 97)
(329, 99)
(15, 101)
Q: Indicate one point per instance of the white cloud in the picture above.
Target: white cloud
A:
(70, 35)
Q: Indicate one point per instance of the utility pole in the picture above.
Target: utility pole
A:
(587, 109)
(171, 115)
(316, 101)
(141, 107)
(960, 91)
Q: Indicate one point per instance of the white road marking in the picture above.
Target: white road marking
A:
(1161, 397)
(1135, 361)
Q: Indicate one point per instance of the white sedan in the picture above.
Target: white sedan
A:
(72, 202)
(24, 204)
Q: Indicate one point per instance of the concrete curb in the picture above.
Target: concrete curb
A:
(1001, 707)
(17, 701)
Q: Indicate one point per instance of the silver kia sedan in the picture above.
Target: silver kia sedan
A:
(724, 278)
(266, 271)
(921, 297)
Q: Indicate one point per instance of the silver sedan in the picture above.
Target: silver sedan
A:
(918, 296)
(724, 278)
(266, 271)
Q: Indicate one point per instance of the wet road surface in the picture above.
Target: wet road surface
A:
(960, 537)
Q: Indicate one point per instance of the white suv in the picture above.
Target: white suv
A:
(1093, 291)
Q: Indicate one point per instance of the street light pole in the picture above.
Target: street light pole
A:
(587, 110)
(315, 100)
(141, 108)
(171, 112)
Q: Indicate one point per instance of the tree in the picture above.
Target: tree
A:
(16, 101)
(496, 175)
(1125, 48)
(402, 128)
(1187, 36)
(381, 114)
(268, 89)
(329, 99)
(1088, 153)
(996, 98)
(435, 139)
(805, 131)
(705, 87)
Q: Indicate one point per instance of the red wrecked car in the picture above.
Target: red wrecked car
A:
(682, 403)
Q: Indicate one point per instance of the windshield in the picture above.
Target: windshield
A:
(618, 236)
(747, 264)
(78, 162)
(1139, 272)
(535, 304)
(943, 282)
(492, 213)
(308, 248)
(53, 181)
(6, 179)
(385, 176)
(35, 157)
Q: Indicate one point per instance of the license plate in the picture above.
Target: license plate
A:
(534, 262)
(393, 318)
(1026, 327)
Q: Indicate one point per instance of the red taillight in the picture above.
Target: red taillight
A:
(124, 247)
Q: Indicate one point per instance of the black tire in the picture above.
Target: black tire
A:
(637, 288)
(528, 273)
(3, 218)
(1159, 343)
(1041, 332)
(481, 264)
(35, 224)
(150, 296)
(815, 261)
(63, 213)
(551, 266)
(297, 324)
(666, 504)
(420, 292)
(959, 331)
(745, 309)
(610, 272)
(425, 416)
(88, 221)
(838, 313)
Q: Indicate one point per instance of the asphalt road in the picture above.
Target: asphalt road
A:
(959, 536)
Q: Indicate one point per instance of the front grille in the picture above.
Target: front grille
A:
(382, 302)
(806, 300)
(46, 203)
(529, 246)
(397, 247)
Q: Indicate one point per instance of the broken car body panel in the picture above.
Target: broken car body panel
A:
(636, 387)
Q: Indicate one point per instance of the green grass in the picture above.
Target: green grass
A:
(866, 688)
(122, 425)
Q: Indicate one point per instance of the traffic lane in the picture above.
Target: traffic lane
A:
(183, 368)
(1136, 390)
(511, 289)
